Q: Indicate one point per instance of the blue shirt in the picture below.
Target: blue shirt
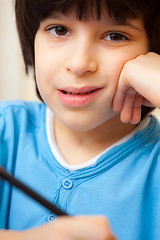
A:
(123, 185)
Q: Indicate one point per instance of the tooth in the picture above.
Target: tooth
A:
(83, 93)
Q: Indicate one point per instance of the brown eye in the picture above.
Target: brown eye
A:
(116, 37)
(61, 30)
(58, 31)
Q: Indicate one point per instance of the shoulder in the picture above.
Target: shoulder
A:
(20, 105)
(20, 110)
(22, 124)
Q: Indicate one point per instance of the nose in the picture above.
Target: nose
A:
(81, 61)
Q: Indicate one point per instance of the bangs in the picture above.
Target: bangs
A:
(119, 11)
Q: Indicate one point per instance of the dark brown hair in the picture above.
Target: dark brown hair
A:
(29, 14)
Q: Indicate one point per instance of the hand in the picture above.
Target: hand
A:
(72, 228)
(139, 84)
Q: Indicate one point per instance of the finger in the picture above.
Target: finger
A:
(118, 102)
(136, 110)
(119, 96)
(122, 88)
(147, 103)
(94, 228)
(127, 107)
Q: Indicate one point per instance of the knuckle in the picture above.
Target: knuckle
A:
(151, 54)
(104, 221)
(129, 69)
(128, 66)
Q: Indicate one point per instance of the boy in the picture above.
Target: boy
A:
(93, 66)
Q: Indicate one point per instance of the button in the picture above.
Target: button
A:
(50, 218)
(67, 184)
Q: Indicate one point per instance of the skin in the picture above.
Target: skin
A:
(67, 228)
(85, 54)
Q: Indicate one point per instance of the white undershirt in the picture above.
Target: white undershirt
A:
(55, 150)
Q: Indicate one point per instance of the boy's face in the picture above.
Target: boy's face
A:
(78, 64)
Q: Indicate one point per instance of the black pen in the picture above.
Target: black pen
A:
(21, 186)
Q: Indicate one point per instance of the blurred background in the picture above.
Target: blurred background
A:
(14, 83)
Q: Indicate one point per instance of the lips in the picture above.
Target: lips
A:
(77, 97)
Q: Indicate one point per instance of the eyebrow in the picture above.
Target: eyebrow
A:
(124, 24)
(129, 25)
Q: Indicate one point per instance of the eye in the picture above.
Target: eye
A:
(58, 30)
(115, 36)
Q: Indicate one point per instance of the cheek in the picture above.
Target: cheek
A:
(42, 73)
(115, 61)
(43, 61)
(113, 65)
(42, 64)
(48, 66)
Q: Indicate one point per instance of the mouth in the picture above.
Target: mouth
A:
(77, 93)
(77, 97)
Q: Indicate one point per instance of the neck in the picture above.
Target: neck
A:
(88, 144)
